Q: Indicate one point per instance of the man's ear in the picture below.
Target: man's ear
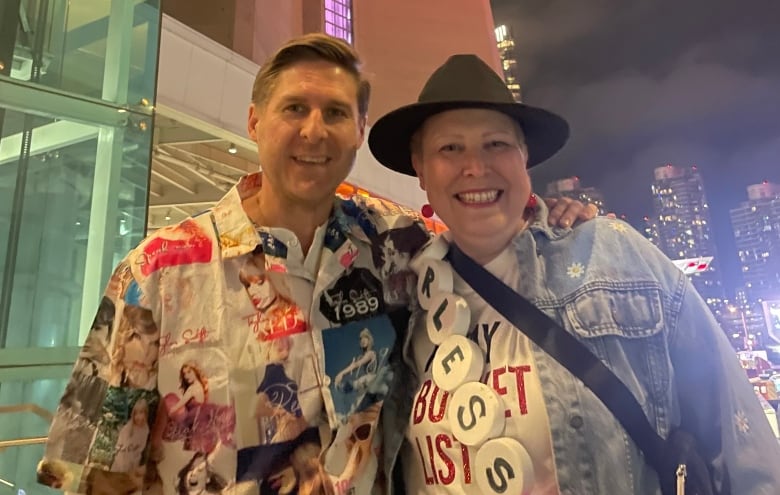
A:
(252, 120)
(418, 169)
(362, 121)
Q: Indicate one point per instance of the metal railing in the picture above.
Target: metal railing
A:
(35, 409)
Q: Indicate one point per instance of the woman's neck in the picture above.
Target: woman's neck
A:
(485, 249)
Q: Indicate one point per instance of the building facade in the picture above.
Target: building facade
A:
(756, 225)
(682, 228)
(505, 42)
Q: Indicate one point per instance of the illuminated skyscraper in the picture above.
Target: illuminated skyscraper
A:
(570, 187)
(506, 50)
(756, 224)
(651, 231)
(682, 224)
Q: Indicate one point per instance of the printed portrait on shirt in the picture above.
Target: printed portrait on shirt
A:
(351, 453)
(101, 482)
(278, 409)
(391, 254)
(78, 413)
(123, 432)
(357, 295)
(199, 477)
(177, 295)
(277, 314)
(356, 362)
(297, 473)
(282, 468)
(59, 475)
(94, 358)
(119, 282)
(190, 416)
(136, 349)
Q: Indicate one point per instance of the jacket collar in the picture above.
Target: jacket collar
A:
(541, 226)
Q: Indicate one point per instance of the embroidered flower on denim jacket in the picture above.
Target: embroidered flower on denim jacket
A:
(618, 227)
(575, 270)
(741, 421)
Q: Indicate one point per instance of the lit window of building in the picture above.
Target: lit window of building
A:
(506, 50)
(756, 225)
(338, 19)
(682, 229)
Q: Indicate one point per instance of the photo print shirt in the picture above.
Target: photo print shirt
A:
(223, 360)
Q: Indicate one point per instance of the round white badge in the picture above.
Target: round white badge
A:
(502, 465)
(434, 277)
(436, 249)
(458, 360)
(476, 413)
(449, 315)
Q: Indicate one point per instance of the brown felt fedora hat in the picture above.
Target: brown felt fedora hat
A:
(464, 81)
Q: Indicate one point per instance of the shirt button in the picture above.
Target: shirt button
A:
(576, 422)
(294, 242)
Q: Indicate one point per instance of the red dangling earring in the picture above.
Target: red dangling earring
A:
(532, 203)
(427, 210)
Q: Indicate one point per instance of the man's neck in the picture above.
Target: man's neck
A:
(302, 219)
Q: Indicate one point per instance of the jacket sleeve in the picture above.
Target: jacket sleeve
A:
(717, 402)
(113, 383)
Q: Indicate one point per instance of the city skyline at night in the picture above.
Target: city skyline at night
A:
(647, 83)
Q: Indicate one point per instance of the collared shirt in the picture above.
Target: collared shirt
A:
(257, 369)
(623, 299)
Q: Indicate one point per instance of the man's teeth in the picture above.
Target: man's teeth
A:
(478, 197)
(312, 159)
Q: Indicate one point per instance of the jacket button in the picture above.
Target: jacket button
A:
(576, 422)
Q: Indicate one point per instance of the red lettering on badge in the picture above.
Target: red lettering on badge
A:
(443, 449)
(436, 406)
(519, 371)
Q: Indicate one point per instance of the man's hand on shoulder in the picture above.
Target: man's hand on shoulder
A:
(565, 212)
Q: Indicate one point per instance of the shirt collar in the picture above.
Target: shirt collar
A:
(238, 234)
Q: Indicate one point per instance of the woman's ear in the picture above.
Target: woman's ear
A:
(418, 169)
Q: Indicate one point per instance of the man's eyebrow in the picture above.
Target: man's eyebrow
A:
(331, 102)
(341, 104)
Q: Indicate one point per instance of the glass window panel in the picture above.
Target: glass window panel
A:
(82, 52)
(57, 206)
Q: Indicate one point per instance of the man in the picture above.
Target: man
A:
(307, 116)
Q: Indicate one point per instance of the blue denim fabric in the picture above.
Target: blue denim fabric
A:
(642, 317)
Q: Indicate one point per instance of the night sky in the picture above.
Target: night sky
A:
(649, 82)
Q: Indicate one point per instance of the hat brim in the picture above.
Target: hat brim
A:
(390, 136)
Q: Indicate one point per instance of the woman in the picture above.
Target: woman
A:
(198, 477)
(194, 388)
(189, 415)
(132, 438)
(278, 410)
(134, 359)
(363, 367)
(469, 144)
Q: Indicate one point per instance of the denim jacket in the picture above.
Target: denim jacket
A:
(621, 297)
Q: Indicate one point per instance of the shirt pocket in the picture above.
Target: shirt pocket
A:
(624, 327)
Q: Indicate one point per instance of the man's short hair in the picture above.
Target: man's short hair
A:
(311, 47)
